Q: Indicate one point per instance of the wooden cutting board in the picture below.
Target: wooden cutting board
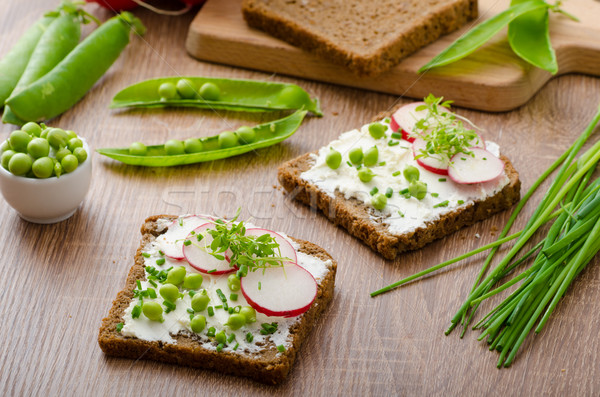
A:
(491, 79)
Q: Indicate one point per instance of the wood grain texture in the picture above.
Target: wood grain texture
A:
(59, 280)
(491, 79)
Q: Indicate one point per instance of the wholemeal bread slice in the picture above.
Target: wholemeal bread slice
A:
(367, 224)
(267, 365)
(368, 37)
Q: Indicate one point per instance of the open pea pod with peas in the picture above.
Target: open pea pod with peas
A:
(196, 150)
(216, 93)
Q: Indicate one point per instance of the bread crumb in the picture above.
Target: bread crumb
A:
(494, 229)
(563, 370)
(334, 113)
(274, 186)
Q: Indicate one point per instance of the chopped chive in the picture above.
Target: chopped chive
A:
(374, 191)
(139, 284)
(220, 347)
(192, 293)
(236, 346)
(221, 295)
(281, 348)
(169, 305)
(225, 306)
(401, 214)
(389, 192)
(145, 255)
(152, 293)
(219, 307)
(485, 158)
(187, 242)
(382, 163)
(136, 311)
(442, 204)
(460, 202)
(180, 221)
(160, 261)
(396, 135)
(190, 310)
(249, 337)
(231, 310)
(396, 173)
(161, 253)
(404, 191)
(349, 163)
(435, 195)
(233, 297)
(387, 120)
(230, 338)
(211, 311)
(211, 331)
(442, 179)
(259, 285)
(393, 143)
(211, 271)
(153, 283)
(463, 159)
(119, 327)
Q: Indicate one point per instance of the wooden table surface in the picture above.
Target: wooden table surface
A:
(58, 281)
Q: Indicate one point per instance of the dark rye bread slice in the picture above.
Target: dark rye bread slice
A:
(366, 223)
(267, 366)
(368, 37)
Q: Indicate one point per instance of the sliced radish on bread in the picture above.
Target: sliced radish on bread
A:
(436, 163)
(404, 119)
(197, 253)
(285, 247)
(482, 166)
(286, 291)
(171, 242)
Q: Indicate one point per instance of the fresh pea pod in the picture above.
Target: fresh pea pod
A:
(71, 79)
(477, 36)
(58, 40)
(15, 61)
(529, 38)
(232, 94)
(266, 135)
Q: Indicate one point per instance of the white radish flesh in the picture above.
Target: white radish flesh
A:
(285, 247)
(405, 119)
(171, 242)
(198, 256)
(280, 291)
(483, 166)
(436, 163)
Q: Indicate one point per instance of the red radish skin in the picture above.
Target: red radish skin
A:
(171, 242)
(482, 167)
(196, 254)
(437, 165)
(286, 248)
(282, 294)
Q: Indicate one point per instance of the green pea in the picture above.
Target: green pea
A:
(153, 311)
(169, 292)
(61, 153)
(74, 143)
(198, 323)
(32, 129)
(167, 91)
(45, 132)
(193, 145)
(411, 173)
(233, 281)
(20, 164)
(365, 174)
(38, 147)
(5, 146)
(379, 201)
(227, 139)
(377, 130)
(371, 156)
(186, 89)
(192, 281)
(210, 92)
(355, 155)
(293, 96)
(249, 314)
(58, 169)
(57, 138)
(6, 156)
(200, 302)
(418, 189)
(81, 154)
(221, 337)
(71, 134)
(333, 159)
(176, 275)
(138, 149)
(246, 134)
(19, 140)
(174, 147)
(69, 163)
(236, 321)
(43, 167)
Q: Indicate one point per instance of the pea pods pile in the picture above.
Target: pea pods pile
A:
(216, 93)
(223, 145)
(47, 72)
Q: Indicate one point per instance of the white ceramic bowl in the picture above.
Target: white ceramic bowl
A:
(48, 200)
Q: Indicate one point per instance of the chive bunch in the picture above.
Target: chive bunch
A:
(573, 201)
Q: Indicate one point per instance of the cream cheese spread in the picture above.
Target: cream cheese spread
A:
(401, 215)
(178, 320)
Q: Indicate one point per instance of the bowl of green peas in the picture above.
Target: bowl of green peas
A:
(45, 172)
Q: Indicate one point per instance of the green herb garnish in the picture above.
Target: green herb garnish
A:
(119, 327)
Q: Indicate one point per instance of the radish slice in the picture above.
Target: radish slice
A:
(280, 291)
(483, 167)
(438, 164)
(197, 253)
(405, 118)
(171, 242)
(284, 245)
